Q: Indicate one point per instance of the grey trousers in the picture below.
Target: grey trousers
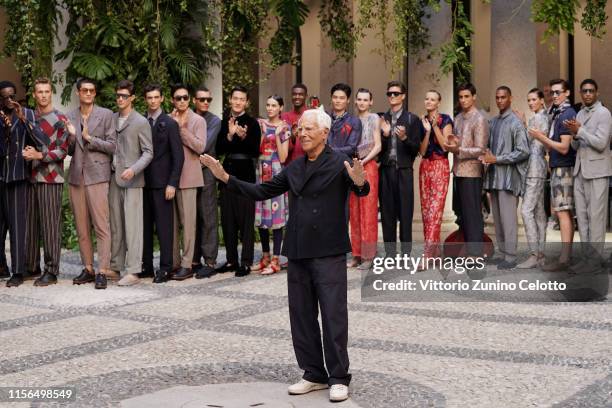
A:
(207, 227)
(126, 220)
(591, 199)
(504, 205)
(534, 214)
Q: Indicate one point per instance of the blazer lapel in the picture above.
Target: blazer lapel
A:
(94, 119)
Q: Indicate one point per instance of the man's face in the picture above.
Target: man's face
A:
(124, 99)
(202, 101)
(339, 101)
(589, 94)
(7, 96)
(154, 100)
(534, 102)
(466, 99)
(87, 93)
(503, 100)
(558, 94)
(363, 102)
(42, 95)
(298, 97)
(238, 101)
(395, 96)
(180, 100)
(310, 134)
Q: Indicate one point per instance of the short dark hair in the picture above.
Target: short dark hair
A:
(7, 84)
(398, 84)
(125, 84)
(82, 81)
(537, 91)
(364, 90)
(341, 86)
(239, 88)
(437, 93)
(278, 99)
(299, 85)
(589, 81)
(202, 88)
(504, 88)
(150, 88)
(178, 86)
(557, 81)
(467, 86)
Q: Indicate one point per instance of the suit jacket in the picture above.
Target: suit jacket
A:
(91, 161)
(318, 193)
(134, 149)
(407, 149)
(193, 136)
(168, 157)
(592, 142)
(240, 155)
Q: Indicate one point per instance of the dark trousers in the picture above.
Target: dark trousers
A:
(468, 204)
(3, 233)
(237, 220)
(314, 283)
(13, 216)
(207, 225)
(396, 198)
(44, 217)
(159, 216)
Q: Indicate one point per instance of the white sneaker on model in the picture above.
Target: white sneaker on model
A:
(338, 392)
(129, 280)
(304, 386)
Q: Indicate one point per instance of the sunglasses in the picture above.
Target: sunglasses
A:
(394, 94)
(181, 98)
(204, 99)
(11, 97)
(556, 93)
(87, 91)
(122, 96)
(588, 91)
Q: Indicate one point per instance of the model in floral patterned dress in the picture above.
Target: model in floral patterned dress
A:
(272, 214)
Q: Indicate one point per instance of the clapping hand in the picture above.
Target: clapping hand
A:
(215, 167)
(488, 158)
(452, 144)
(356, 173)
(400, 132)
(241, 131)
(70, 127)
(385, 126)
(426, 124)
(573, 125)
(30, 153)
(536, 134)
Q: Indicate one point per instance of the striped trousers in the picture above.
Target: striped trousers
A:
(44, 218)
(13, 218)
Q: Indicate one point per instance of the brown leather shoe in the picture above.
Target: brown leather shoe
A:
(112, 275)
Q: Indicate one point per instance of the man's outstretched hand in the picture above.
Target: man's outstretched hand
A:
(356, 173)
(215, 167)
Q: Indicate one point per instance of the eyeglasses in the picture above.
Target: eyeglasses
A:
(87, 91)
(204, 99)
(394, 94)
(122, 96)
(588, 91)
(556, 93)
(11, 97)
(181, 98)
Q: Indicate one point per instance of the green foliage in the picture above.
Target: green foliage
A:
(453, 53)
(70, 239)
(558, 15)
(290, 16)
(336, 22)
(594, 18)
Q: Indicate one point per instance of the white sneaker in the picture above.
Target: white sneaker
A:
(529, 263)
(304, 386)
(129, 280)
(338, 392)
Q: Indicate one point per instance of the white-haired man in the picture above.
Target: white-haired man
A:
(316, 244)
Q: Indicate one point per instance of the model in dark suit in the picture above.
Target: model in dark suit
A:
(161, 181)
(316, 244)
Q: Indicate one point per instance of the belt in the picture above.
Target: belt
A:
(239, 156)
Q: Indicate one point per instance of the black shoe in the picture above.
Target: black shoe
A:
(16, 280)
(31, 275)
(204, 271)
(226, 267)
(182, 274)
(161, 276)
(146, 273)
(46, 279)
(100, 281)
(503, 265)
(4, 272)
(243, 270)
(84, 277)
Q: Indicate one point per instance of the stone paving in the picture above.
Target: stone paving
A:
(225, 342)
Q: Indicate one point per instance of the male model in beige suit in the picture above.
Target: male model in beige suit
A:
(193, 135)
(133, 154)
(91, 148)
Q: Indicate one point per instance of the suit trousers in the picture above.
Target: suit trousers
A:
(238, 219)
(44, 216)
(364, 216)
(396, 197)
(534, 214)
(503, 206)
(90, 206)
(126, 221)
(591, 199)
(13, 201)
(468, 203)
(312, 284)
(158, 216)
(207, 226)
(185, 215)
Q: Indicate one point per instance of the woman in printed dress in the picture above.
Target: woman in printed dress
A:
(272, 214)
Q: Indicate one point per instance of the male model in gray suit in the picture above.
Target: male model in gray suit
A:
(91, 146)
(133, 154)
(591, 138)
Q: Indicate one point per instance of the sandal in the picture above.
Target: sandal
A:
(273, 267)
(262, 264)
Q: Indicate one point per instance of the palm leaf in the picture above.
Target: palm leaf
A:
(92, 65)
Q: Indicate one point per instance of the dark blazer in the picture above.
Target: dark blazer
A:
(240, 155)
(168, 157)
(318, 192)
(408, 149)
(12, 142)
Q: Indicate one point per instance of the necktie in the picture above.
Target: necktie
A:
(151, 121)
